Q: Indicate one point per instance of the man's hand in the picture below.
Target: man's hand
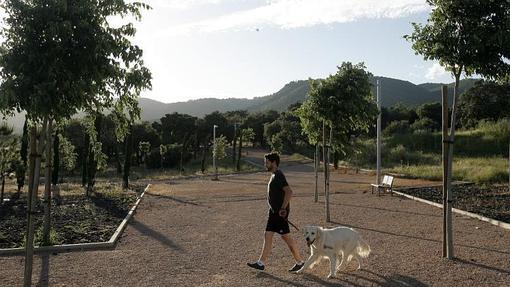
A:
(282, 212)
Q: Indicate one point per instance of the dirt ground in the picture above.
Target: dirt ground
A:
(201, 233)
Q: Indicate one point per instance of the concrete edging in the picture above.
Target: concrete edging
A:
(110, 244)
(459, 211)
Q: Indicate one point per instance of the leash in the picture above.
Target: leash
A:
(292, 224)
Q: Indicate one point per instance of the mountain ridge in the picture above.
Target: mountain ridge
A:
(392, 91)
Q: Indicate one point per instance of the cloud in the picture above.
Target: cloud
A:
(290, 14)
(181, 4)
(435, 72)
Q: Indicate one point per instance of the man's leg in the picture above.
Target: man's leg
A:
(293, 247)
(268, 244)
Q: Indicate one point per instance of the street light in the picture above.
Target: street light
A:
(214, 153)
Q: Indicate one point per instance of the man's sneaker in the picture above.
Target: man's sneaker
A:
(256, 266)
(296, 267)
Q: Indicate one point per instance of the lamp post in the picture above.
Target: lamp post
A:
(214, 153)
(378, 166)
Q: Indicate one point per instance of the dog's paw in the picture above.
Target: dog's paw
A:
(330, 276)
(300, 271)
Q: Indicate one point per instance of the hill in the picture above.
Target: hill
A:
(392, 91)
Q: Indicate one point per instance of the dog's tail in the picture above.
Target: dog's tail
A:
(363, 248)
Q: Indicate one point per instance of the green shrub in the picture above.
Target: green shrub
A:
(397, 127)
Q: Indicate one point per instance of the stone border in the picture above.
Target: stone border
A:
(459, 211)
(110, 244)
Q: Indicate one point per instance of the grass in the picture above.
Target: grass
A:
(479, 170)
(192, 168)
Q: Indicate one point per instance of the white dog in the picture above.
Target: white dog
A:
(333, 243)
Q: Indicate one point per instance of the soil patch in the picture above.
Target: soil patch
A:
(77, 219)
(491, 201)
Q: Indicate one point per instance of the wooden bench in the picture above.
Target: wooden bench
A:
(386, 185)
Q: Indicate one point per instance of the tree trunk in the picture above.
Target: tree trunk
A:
(238, 167)
(20, 178)
(117, 159)
(2, 193)
(449, 201)
(47, 186)
(444, 94)
(234, 148)
(92, 165)
(85, 160)
(36, 150)
(127, 160)
(316, 169)
(56, 169)
(204, 149)
(56, 159)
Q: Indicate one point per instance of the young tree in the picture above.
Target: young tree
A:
(341, 105)
(220, 147)
(465, 37)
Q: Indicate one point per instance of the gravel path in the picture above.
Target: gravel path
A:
(202, 233)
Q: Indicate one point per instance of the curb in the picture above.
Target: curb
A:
(459, 211)
(110, 244)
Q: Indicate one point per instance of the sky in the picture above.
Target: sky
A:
(251, 48)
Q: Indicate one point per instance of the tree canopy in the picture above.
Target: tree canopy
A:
(471, 36)
(60, 57)
(343, 101)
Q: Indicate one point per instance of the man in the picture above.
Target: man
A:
(278, 198)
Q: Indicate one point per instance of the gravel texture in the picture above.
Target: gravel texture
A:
(202, 233)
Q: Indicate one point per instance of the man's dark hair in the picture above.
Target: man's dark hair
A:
(272, 157)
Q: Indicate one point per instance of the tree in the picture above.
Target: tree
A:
(487, 100)
(285, 134)
(343, 101)
(88, 65)
(67, 155)
(220, 147)
(8, 155)
(432, 113)
(256, 122)
(205, 132)
(341, 104)
(235, 119)
(178, 128)
(246, 134)
(144, 148)
(465, 37)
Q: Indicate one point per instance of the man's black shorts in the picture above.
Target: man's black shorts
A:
(278, 224)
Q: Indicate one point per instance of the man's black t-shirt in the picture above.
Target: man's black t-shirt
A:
(275, 193)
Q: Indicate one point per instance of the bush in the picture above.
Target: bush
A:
(425, 124)
(397, 127)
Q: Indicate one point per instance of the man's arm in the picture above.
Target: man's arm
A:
(286, 199)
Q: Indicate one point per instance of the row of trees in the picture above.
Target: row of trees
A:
(61, 57)
(486, 101)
